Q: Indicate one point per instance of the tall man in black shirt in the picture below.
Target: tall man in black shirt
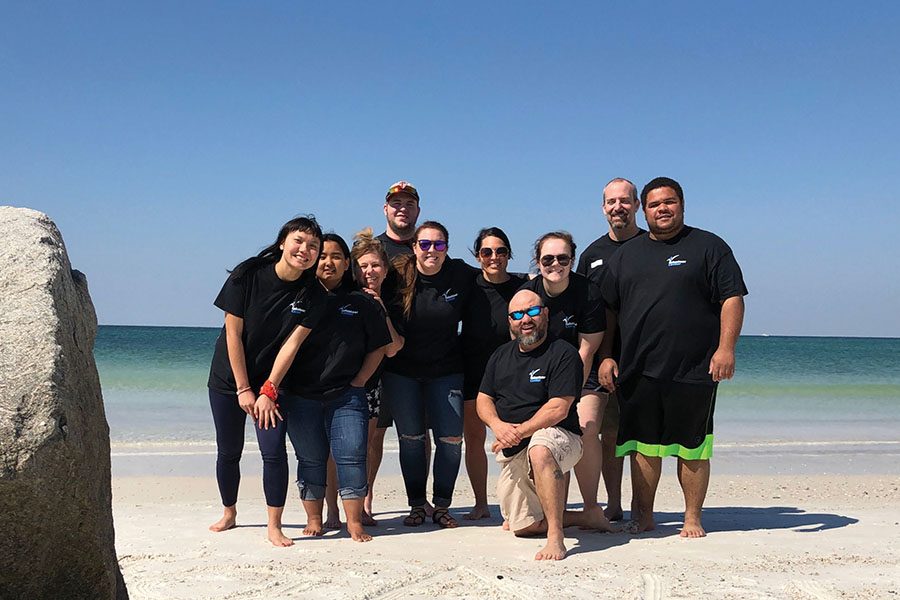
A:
(679, 296)
(527, 398)
(401, 210)
(620, 204)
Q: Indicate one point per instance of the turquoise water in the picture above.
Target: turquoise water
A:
(786, 389)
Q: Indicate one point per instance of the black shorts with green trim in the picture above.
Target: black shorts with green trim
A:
(665, 418)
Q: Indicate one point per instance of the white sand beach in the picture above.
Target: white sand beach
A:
(801, 536)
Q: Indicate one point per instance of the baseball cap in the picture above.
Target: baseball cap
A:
(402, 187)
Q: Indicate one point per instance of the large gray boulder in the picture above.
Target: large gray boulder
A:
(56, 526)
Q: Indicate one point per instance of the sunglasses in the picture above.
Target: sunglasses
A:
(425, 245)
(489, 252)
(562, 259)
(518, 315)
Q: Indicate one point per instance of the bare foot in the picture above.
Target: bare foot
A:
(333, 521)
(595, 519)
(505, 525)
(278, 538)
(313, 526)
(357, 533)
(554, 550)
(640, 525)
(692, 529)
(614, 513)
(227, 522)
(429, 509)
(368, 520)
(479, 511)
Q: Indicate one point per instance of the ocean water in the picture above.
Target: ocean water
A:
(799, 395)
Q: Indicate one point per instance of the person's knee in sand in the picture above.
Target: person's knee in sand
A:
(527, 398)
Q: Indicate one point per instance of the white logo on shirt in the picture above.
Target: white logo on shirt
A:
(296, 309)
(533, 377)
(597, 263)
(675, 263)
(347, 311)
(569, 323)
(448, 297)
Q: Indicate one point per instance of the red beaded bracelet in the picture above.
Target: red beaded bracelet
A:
(269, 390)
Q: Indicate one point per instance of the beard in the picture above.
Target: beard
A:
(530, 339)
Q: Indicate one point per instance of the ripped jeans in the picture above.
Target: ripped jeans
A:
(440, 399)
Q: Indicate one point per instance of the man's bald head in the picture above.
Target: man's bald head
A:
(524, 299)
(529, 330)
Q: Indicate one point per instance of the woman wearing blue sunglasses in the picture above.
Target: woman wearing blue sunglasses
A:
(423, 382)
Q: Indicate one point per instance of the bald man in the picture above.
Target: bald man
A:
(527, 398)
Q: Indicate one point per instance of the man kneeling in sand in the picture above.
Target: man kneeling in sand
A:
(527, 398)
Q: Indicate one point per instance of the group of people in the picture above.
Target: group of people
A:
(572, 370)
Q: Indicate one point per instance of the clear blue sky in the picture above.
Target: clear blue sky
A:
(169, 140)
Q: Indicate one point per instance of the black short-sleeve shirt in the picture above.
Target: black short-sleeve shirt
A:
(394, 248)
(431, 332)
(579, 309)
(668, 295)
(522, 382)
(593, 264)
(485, 325)
(353, 324)
(270, 308)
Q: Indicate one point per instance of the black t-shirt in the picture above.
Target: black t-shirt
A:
(394, 248)
(592, 264)
(579, 309)
(270, 308)
(522, 382)
(431, 347)
(353, 324)
(485, 324)
(668, 295)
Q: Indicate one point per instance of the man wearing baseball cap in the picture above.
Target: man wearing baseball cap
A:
(401, 210)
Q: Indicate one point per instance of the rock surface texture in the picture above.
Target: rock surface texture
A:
(56, 526)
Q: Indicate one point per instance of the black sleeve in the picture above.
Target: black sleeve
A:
(566, 373)
(395, 312)
(377, 332)
(609, 284)
(487, 382)
(582, 267)
(726, 279)
(594, 318)
(233, 297)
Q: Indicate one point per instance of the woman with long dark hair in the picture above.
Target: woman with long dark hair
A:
(578, 316)
(324, 391)
(424, 380)
(265, 298)
(485, 328)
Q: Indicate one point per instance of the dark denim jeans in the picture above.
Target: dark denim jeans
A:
(229, 419)
(339, 425)
(410, 400)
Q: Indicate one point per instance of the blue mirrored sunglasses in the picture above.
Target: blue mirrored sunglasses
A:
(518, 315)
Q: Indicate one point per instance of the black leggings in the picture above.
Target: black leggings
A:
(230, 419)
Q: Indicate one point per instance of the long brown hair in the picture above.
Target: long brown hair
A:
(407, 273)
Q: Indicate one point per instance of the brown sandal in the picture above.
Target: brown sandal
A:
(415, 517)
(443, 519)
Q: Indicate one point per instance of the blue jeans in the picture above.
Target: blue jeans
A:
(339, 425)
(410, 400)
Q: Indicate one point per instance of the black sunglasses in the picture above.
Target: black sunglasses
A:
(562, 259)
(489, 252)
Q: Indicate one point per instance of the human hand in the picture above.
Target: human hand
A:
(247, 402)
(266, 412)
(721, 365)
(607, 374)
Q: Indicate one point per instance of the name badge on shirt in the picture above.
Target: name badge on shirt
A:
(597, 263)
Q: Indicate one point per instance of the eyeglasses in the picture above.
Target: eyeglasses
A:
(562, 259)
(439, 245)
(489, 252)
(518, 315)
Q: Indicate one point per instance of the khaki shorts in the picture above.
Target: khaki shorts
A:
(519, 502)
